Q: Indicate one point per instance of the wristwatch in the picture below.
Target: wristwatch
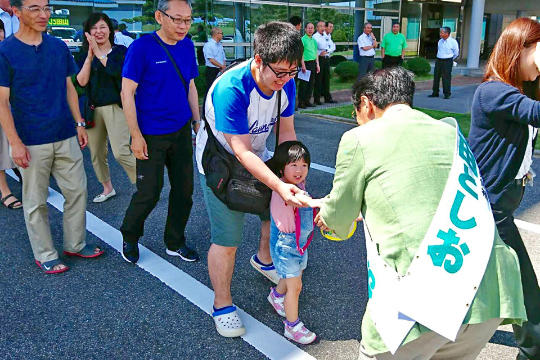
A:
(195, 122)
(82, 124)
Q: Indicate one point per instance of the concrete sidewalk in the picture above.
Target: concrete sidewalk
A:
(463, 88)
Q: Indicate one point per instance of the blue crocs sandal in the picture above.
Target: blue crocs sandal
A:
(228, 323)
(48, 266)
(87, 252)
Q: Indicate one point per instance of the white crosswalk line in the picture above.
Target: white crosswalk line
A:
(258, 335)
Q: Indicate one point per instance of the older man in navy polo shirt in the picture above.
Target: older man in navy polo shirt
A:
(35, 78)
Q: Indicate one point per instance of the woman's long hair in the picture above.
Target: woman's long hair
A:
(92, 20)
(504, 62)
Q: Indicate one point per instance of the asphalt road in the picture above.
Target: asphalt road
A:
(109, 309)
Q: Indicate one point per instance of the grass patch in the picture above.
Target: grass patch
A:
(464, 120)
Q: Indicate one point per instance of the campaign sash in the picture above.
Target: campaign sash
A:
(440, 284)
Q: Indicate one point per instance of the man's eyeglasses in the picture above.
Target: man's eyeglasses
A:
(178, 21)
(282, 74)
(34, 9)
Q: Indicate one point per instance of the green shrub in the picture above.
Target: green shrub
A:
(347, 70)
(405, 65)
(339, 36)
(419, 66)
(335, 60)
(200, 81)
(378, 64)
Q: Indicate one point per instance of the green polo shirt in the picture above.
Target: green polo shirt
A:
(310, 48)
(394, 44)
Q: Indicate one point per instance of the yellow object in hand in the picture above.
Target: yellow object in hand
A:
(330, 235)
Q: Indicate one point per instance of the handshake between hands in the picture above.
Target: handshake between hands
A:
(307, 201)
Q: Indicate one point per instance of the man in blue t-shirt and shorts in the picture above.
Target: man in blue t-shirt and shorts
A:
(159, 107)
(241, 108)
(45, 131)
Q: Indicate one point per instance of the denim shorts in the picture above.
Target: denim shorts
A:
(226, 225)
(286, 257)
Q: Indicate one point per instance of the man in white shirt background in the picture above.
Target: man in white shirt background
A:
(119, 38)
(448, 50)
(325, 47)
(214, 56)
(11, 22)
(367, 43)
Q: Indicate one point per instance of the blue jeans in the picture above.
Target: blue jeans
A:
(287, 259)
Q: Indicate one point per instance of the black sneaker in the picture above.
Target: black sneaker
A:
(331, 101)
(130, 252)
(433, 95)
(317, 102)
(185, 254)
(446, 97)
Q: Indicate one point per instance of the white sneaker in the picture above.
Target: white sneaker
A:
(102, 197)
(276, 302)
(228, 323)
(268, 271)
(299, 333)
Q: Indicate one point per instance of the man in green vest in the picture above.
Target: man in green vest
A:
(394, 170)
(393, 48)
(310, 61)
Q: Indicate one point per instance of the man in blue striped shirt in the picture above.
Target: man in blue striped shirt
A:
(448, 50)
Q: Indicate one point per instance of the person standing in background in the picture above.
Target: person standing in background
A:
(214, 56)
(325, 47)
(7, 198)
(296, 21)
(310, 61)
(119, 38)
(11, 22)
(202, 38)
(393, 48)
(366, 47)
(448, 50)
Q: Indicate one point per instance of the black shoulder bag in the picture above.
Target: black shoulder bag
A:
(173, 62)
(229, 180)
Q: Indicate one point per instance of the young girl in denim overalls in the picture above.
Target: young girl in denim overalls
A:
(291, 231)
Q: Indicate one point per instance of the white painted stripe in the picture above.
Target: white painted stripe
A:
(258, 335)
(527, 226)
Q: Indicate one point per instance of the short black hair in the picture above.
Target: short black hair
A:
(277, 41)
(295, 20)
(92, 20)
(328, 23)
(114, 24)
(385, 87)
(288, 152)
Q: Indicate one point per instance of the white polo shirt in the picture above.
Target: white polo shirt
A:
(213, 50)
(11, 23)
(365, 40)
(447, 49)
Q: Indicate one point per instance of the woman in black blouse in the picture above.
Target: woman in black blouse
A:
(101, 74)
